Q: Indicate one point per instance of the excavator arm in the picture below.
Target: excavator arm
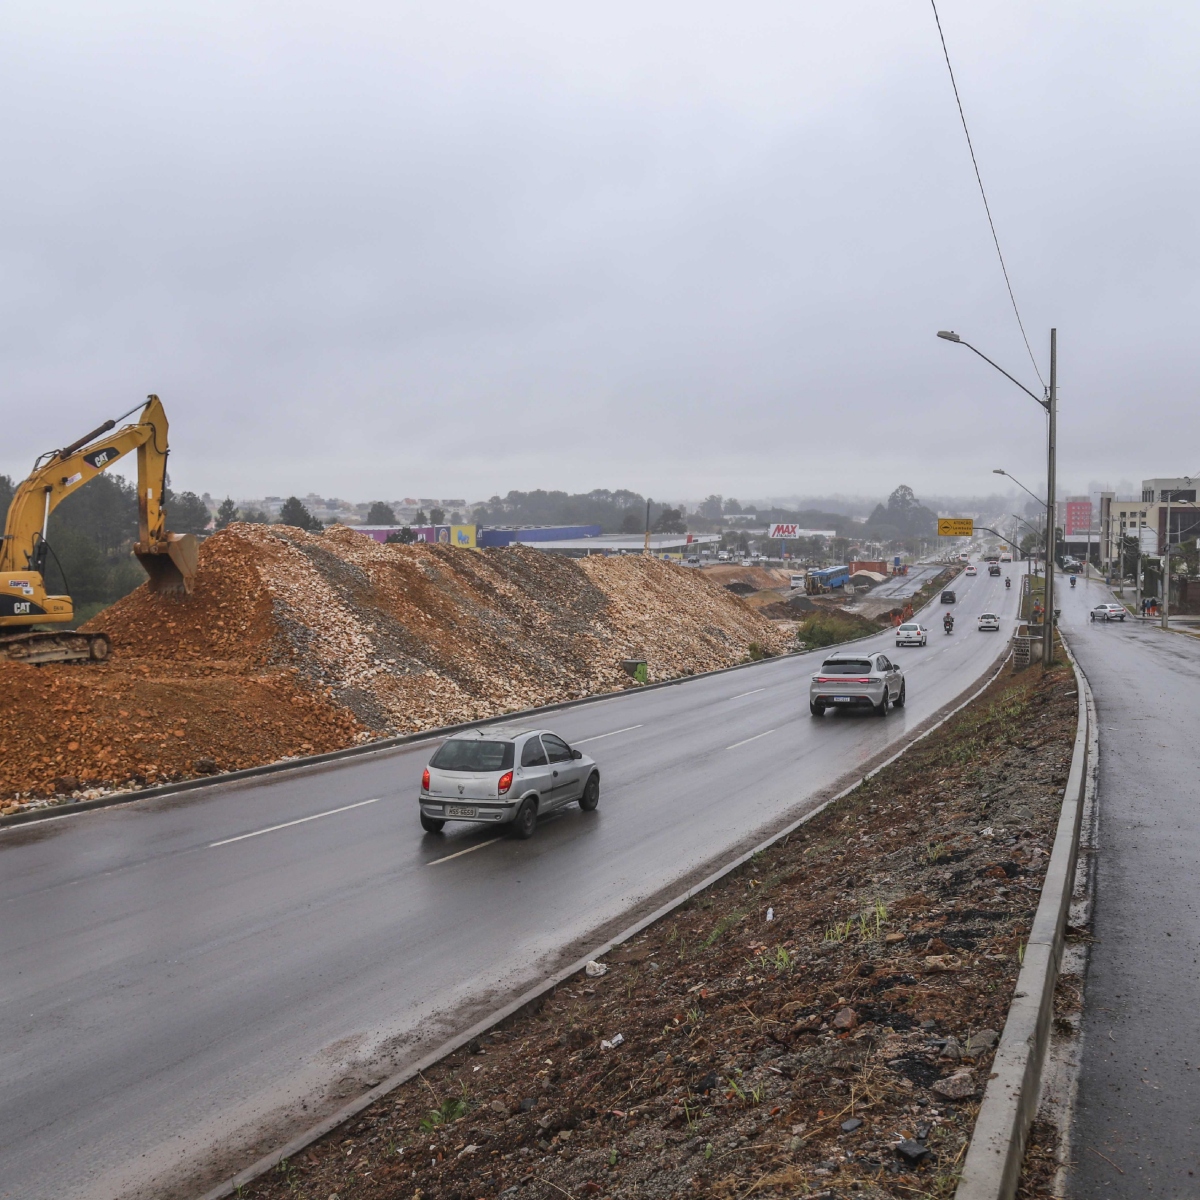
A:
(169, 559)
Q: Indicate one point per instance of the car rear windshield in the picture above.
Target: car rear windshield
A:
(845, 666)
(987, 616)
(462, 754)
(909, 628)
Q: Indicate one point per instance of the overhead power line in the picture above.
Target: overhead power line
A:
(986, 207)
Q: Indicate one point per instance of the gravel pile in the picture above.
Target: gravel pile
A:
(294, 643)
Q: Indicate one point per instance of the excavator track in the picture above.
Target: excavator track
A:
(55, 646)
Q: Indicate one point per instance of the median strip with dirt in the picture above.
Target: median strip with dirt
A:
(821, 1021)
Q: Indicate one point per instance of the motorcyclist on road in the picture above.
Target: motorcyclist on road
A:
(1072, 580)
(1007, 582)
(948, 622)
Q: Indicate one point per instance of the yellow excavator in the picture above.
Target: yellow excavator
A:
(170, 559)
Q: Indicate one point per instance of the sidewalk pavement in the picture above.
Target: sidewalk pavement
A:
(1136, 1126)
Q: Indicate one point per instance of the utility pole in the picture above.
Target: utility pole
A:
(1167, 552)
(646, 543)
(1052, 410)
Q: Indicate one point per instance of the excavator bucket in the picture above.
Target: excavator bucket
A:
(173, 568)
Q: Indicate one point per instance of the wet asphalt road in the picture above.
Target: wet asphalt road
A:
(171, 985)
(1139, 1089)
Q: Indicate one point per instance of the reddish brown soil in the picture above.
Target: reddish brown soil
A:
(293, 643)
(898, 921)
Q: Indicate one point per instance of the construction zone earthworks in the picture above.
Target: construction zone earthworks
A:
(294, 644)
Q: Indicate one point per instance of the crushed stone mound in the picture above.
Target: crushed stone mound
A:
(294, 643)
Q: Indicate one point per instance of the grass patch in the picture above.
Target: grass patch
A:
(817, 629)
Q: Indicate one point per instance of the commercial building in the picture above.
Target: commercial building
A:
(463, 536)
(575, 540)
(1081, 535)
(1163, 502)
(536, 534)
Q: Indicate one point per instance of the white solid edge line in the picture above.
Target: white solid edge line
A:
(613, 733)
(241, 837)
(460, 853)
(751, 739)
(749, 693)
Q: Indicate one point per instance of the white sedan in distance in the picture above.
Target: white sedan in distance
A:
(989, 621)
(971, 570)
(911, 634)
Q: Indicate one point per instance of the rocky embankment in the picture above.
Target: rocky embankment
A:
(294, 644)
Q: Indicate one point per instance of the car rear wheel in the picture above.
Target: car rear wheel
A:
(591, 794)
(817, 710)
(882, 707)
(432, 824)
(900, 698)
(526, 820)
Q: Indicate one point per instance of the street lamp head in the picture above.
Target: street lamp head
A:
(949, 335)
(999, 471)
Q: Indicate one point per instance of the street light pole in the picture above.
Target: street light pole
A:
(1050, 404)
(1051, 466)
(1002, 471)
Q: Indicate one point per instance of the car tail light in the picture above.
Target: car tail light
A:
(839, 679)
(425, 779)
(505, 783)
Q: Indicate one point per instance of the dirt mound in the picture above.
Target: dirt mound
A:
(757, 577)
(294, 643)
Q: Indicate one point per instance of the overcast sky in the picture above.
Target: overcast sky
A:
(456, 248)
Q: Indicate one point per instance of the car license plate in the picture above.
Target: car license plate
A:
(841, 699)
(461, 810)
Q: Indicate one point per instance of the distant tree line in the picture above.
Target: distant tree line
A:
(904, 516)
(614, 512)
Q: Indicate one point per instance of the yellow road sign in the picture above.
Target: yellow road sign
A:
(956, 527)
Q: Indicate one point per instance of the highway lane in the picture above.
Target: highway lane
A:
(1138, 1102)
(177, 996)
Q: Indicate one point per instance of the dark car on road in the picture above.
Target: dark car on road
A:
(949, 597)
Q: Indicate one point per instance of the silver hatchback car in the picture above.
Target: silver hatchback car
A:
(856, 680)
(508, 778)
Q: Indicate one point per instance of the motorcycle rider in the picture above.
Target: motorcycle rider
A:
(1007, 582)
(948, 622)
(1072, 580)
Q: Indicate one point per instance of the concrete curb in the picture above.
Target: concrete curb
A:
(309, 762)
(269, 1161)
(993, 1165)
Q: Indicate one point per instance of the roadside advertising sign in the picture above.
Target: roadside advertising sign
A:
(783, 531)
(463, 536)
(956, 527)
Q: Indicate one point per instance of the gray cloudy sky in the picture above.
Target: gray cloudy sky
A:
(454, 248)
